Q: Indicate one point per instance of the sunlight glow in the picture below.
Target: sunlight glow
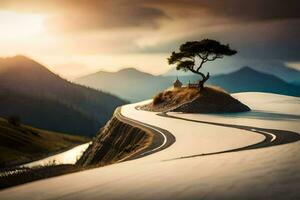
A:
(19, 26)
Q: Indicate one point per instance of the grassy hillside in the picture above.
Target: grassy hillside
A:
(21, 143)
(56, 104)
(47, 114)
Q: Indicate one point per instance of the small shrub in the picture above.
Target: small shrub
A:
(168, 93)
(158, 99)
(14, 120)
(128, 148)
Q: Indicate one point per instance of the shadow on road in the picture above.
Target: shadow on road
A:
(273, 137)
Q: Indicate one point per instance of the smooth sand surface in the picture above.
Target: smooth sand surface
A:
(264, 173)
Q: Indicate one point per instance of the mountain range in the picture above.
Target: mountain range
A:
(41, 98)
(134, 85)
(281, 70)
(131, 84)
(249, 80)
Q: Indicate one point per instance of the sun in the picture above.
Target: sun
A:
(19, 26)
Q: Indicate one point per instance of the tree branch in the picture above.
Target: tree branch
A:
(197, 72)
(202, 62)
(214, 57)
(204, 57)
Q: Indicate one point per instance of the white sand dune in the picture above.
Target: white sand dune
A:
(263, 173)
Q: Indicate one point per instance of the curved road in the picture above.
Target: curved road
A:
(229, 172)
(162, 138)
(272, 136)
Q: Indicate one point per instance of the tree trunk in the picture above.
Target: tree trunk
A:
(201, 85)
(201, 82)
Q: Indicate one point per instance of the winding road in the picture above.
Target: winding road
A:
(240, 156)
(272, 136)
(161, 138)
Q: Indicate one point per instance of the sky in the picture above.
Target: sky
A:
(77, 37)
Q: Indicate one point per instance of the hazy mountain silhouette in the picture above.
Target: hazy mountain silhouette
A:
(43, 99)
(135, 86)
(129, 83)
(278, 69)
(247, 79)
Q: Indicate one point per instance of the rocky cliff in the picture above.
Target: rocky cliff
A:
(118, 140)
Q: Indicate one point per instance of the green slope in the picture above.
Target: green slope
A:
(47, 114)
(21, 143)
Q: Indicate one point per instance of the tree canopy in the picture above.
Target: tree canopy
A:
(192, 55)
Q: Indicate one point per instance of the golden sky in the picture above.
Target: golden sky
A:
(77, 37)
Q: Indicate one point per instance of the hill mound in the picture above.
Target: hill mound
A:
(191, 100)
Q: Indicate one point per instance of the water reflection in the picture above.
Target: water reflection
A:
(67, 157)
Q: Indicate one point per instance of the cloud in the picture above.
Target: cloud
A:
(259, 29)
(103, 15)
(237, 10)
(265, 40)
(81, 15)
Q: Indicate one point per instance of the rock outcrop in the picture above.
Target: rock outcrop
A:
(118, 140)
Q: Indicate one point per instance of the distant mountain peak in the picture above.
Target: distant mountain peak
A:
(22, 66)
(250, 73)
(129, 69)
(20, 60)
(20, 56)
(132, 70)
(17, 58)
(247, 70)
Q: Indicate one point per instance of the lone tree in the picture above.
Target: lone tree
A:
(192, 56)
